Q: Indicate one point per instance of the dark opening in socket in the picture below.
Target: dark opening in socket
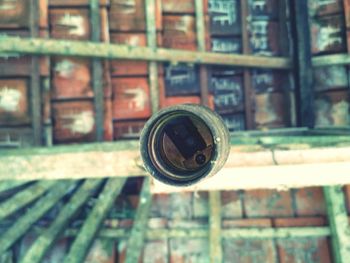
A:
(184, 145)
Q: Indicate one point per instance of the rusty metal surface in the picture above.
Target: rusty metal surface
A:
(71, 78)
(129, 15)
(128, 67)
(131, 98)
(181, 6)
(14, 101)
(128, 129)
(332, 108)
(179, 32)
(14, 13)
(73, 121)
(269, 110)
(171, 101)
(69, 24)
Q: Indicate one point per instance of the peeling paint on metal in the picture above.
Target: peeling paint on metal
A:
(80, 123)
(9, 99)
(75, 23)
(328, 36)
(65, 68)
(138, 99)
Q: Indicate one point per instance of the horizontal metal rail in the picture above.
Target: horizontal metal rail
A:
(331, 60)
(37, 46)
(243, 233)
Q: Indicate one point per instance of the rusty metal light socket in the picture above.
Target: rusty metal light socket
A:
(183, 144)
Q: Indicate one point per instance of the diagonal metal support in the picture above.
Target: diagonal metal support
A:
(91, 226)
(38, 250)
(339, 224)
(215, 227)
(138, 232)
(24, 198)
(11, 184)
(42, 206)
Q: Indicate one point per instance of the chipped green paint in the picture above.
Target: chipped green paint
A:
(339, 223)
(330, 60)
(11, 184)
(150, 7)
(113, 51)
(83, 241)
(243, 233)
(38, 250)
(23, 198)
(215, 227)
(137, 237)
(22, 225)
(97, 71)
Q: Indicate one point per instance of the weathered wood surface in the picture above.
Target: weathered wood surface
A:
(113, 51)
(82, 243)
(42, 244)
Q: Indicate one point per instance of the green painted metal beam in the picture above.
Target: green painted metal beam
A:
(139, 229)
(215, 227)
(37, 251)
(11, 184)
(339, 223)
(42, 206)
(150, 7)
(113, 51)
(330, 60)
(242, 233)
(35, 82)
(97, 71)
(23, 198)
(91, 226)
